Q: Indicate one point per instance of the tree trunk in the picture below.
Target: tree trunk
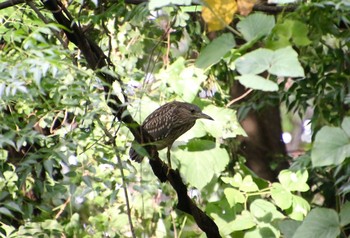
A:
(263, 147)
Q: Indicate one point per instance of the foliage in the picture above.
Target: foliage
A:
(61, 175)
(265, 203)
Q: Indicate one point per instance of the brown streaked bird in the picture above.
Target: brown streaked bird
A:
(168, 123)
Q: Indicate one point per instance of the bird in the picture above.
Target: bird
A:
(167, 123)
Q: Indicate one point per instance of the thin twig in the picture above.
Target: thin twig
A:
(120, 163)
(239, 98)
(167, 48)
(174, 224)
(127, 202)
(63, 206)
(46, 21)
(274, 8)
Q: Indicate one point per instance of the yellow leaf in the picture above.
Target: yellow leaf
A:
(218, 13)
(245, 6)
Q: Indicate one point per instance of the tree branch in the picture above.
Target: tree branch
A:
(10, 3)
(97, 60)
(269, 8)
(273, 8)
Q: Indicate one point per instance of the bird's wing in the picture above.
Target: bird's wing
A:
(159, 123)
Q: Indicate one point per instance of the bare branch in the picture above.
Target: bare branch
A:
(269, 8)
(273, 8)
(239, 98)
(97, 60)
(10, 3)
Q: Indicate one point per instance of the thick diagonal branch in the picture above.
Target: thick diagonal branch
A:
(97, 60)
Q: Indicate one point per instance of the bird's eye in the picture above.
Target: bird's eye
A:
(193, 111)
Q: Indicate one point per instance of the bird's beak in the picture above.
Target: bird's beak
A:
(204, 116)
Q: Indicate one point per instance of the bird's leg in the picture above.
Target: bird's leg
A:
(168, 156)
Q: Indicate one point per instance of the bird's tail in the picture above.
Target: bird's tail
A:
(135, 156)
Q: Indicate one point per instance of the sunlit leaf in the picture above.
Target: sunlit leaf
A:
(248, 185)
(224, 216)
(281, 196)
(225, 124)
(259, 208)
(294, 181)
(234, 181)
(243, 221)
(200, 161)
(233, 196)
(300, 208)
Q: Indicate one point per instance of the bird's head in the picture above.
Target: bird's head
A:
(192, 111)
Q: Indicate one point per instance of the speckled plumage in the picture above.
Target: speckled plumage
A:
(168, 123)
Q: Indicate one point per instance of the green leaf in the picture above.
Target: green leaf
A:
(285, 63)
(248, 185)
(223, 215)
(6, 212)
(300, 32)
(288, 227)
(300, 208)
(257, 82)
(235, 181)
(192, 77)
(345, 214)
(14, 207)
(294, 181)
(243, 221)
(345, 125)
(215, 50)
(233, 196)
(288, 32)
(282, 62)
(225, 124)
(256, 25)
(254, 62)
(319, 223)
(201, 161)
(261, 232)
(282, 197)
(8, 230)
(265, 211)
(177, 75)
(51, 225)
(48, 165)
(331, 146)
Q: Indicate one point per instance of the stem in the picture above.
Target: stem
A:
(239, 98)
(182, 226)
(120, 163)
